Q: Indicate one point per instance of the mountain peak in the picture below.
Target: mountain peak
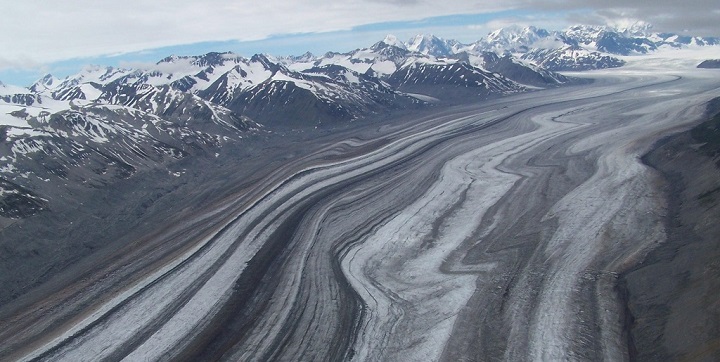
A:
(633, 27)
(390, 43)
(392, 40)
(429, 44)
(515, 38)
(170, 59)
(517, 32)
(423, 37)
(509, 29)
(268, 62)
(215, 58)
(307, 55)
(579, 30)
(48, 81)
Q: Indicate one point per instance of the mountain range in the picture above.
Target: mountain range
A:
(105, 123)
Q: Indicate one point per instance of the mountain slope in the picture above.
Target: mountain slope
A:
(443, 79)
(432, 45)
(324, 94)
(571, 58)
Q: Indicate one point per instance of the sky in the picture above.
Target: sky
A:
(61, 36)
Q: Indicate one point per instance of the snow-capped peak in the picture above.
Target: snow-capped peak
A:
(47, 82)
(169, 59)
(515, 38)
(95, 73)
(305, 57)
(633, 27)
(585, 33)
(510, 31)
(430, 45)
(517, 34)
(392, 40)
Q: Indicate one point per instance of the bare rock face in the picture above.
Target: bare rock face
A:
(16, 202)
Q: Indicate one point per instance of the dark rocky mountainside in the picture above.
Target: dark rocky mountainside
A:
(672, 296)
(435, 79)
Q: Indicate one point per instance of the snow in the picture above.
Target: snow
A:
(95, 129)
(360, 67)
(8, 120)
(46, 84)
(8, 90)
(25, 132)
(548, 43)
(45, 105)
(385, 67)
(25, 146)
(91, 93)
(301, 66)
(631, 27)
(4, 192)
(256, 74)
(298, 82)
(394, 41)
(674, 58)
(352, 78)
(434, 46)
(175, 68)
(359, 61)
(8, 168)
(97, 74)
(515, 36)
(367, 55)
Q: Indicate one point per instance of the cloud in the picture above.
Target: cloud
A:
(54, 30)
(549, 21)
(47, 31)
(19, 64)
